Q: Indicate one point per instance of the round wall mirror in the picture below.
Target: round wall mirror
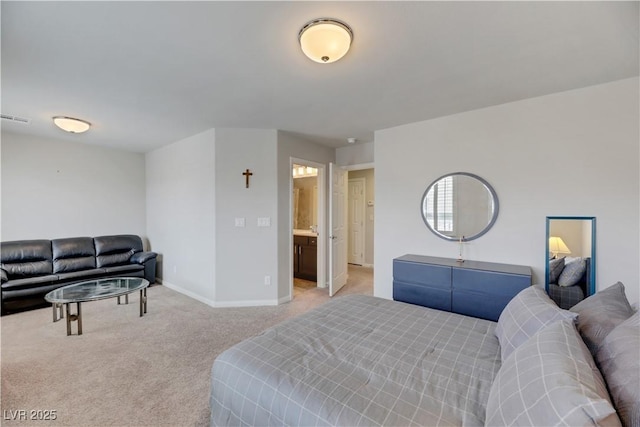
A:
(459, 206)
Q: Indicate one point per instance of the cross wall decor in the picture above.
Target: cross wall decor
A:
(247, 174)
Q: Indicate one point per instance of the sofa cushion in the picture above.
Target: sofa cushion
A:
(120, 269)
(29, 282)
(28, 293)
(81, 275)
(142, 257)
(116, 250)
(74, 254)
(26, 258)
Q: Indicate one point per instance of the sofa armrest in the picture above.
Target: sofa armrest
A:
(142, 257)
(3, 275)
(148, 259)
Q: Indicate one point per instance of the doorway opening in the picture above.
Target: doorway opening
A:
(332, 262)
(307, 224)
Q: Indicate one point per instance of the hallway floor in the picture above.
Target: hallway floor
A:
(360, 281)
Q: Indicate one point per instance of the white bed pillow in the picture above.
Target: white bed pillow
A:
(524, 315)
(550, 380)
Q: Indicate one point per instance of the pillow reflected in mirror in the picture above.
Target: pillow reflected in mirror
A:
(555, 268)
(572, 273)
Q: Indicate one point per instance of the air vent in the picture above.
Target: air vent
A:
(16, 119)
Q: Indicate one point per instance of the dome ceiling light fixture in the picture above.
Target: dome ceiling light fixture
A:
(71, 125)
(325, 40)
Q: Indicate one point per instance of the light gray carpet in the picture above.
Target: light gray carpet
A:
(130, 371)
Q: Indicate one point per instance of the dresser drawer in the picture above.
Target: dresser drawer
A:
(432, 276)
(422, 295)
(478, 305)
(485, 294)
(489, 282)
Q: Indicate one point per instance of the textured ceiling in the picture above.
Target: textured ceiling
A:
(150, 73)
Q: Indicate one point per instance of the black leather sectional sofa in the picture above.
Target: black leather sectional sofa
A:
(32, 268)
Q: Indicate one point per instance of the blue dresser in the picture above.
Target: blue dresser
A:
(473, 288)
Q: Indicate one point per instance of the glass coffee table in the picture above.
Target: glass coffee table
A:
(93, 290)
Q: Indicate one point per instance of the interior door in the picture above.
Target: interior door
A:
(356, 221)
(338, 227)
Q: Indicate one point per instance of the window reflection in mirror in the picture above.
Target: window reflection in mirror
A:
(570, 259)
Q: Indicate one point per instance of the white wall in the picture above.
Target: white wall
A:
(573, 153)
(180, 184)
(196, 190)
(356, 154)
(56, 189)
(245, 255)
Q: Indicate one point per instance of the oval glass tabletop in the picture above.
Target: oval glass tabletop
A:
(92, 290)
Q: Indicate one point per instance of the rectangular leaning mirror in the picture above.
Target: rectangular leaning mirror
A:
(570, 274)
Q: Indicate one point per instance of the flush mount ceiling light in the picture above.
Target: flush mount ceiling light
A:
(69, 124)
(325, 40)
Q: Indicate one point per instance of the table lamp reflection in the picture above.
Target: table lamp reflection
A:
(557, 246)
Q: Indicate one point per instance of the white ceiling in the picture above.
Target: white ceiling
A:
(146, 74)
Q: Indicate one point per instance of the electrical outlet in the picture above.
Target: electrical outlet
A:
(267, 280)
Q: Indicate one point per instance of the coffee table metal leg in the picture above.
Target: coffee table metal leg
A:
(68, 319)
(74, 317)
(126, 299)
(143, 301)
(58, 312)
(79, 320)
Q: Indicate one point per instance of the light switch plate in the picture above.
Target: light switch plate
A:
(239, 222)
(264, 222)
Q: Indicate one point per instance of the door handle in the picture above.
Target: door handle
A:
(333, 237)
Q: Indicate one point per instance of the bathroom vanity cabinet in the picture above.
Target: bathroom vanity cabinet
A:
(305, 255)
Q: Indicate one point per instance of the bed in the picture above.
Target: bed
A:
(568, 296)
(362, 360)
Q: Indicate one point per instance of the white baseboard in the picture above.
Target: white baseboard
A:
(284, 299)
(186, 292)
(368, 265)
(250, 303)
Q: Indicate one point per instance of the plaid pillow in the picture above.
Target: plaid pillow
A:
(550, 380)
(524, 315)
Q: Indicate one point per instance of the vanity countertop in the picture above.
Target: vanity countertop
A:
(301, 232)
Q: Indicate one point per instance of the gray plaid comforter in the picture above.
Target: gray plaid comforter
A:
(359, 360)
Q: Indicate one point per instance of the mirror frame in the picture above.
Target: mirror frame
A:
(592, 278)
(496, 208)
